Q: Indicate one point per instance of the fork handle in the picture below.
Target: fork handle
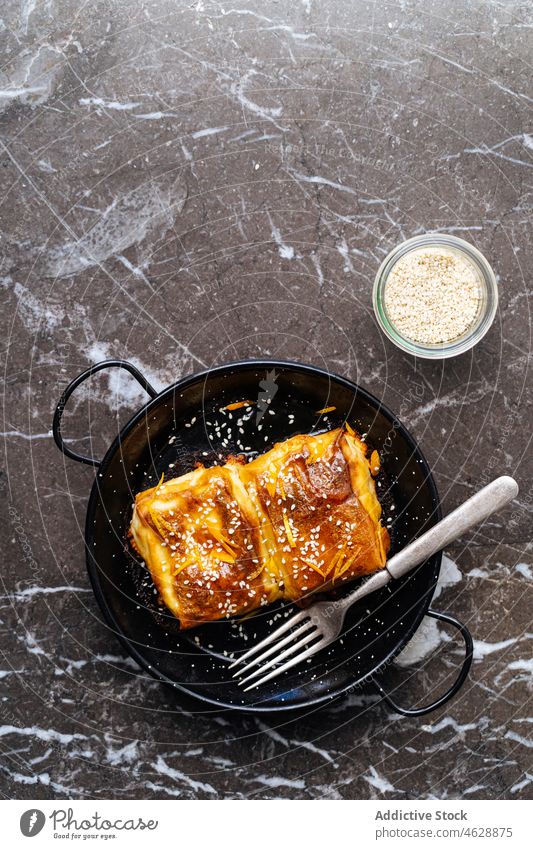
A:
(479, 507)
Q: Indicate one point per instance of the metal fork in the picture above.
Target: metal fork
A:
(322, 623)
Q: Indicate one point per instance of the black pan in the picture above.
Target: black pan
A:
(175, 430)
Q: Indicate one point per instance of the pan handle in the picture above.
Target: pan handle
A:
(60, 409)
(457, 684)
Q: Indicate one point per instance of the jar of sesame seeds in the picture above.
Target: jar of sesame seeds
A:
(435, 296)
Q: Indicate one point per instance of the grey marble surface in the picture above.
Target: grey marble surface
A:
(184, 184)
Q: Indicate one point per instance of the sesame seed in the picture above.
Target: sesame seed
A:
(432, 296)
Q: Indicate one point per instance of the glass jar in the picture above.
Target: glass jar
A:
(487, 305)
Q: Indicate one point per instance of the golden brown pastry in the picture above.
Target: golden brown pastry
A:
(227, 540)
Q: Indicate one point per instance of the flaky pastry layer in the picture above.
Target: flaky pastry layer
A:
(226, 540)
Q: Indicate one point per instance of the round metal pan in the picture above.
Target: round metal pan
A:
(178, 428)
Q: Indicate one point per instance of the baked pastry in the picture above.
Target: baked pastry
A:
(226, 540)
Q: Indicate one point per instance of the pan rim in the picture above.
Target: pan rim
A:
(152, 404)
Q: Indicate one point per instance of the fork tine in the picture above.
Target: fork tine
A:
(311, 635)
(291, 621)
(292, 662)
(292, 636)
(274, 649)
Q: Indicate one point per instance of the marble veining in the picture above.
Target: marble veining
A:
(185, 184)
